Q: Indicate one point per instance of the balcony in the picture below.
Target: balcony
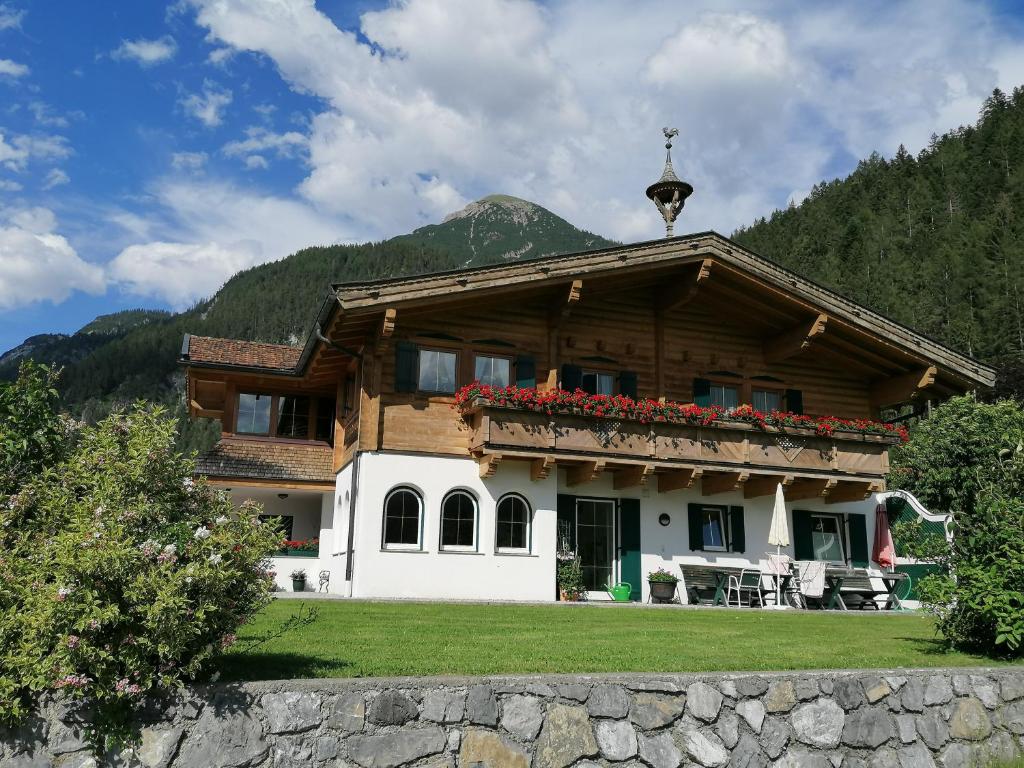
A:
(717, 458)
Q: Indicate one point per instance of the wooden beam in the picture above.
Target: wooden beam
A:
(683, 291)
(632, 476)
(678, 479)
(387, 325)
(765, 485)
(557, 316)
(565, 304)
(810, 488)
(900, 389)
(584, 473)
(541, 468)
(711, 485)
(659, 355)
(488, 464)
(794, 341)
(852, 491)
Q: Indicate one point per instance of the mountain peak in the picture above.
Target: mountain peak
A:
(521, 211)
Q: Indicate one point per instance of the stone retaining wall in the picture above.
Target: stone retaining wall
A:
(886, 719)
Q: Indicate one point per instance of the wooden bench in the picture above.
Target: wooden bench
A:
(709, 583)
(853, 588)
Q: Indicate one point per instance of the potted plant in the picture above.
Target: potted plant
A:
(663, 585)
(298, 580)
(570, 579)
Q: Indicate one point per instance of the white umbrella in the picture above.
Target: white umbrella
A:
(778, 536)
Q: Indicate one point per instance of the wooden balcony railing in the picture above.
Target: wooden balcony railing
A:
(725, 455)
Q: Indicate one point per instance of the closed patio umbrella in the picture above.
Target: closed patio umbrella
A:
(884, 551)
(778, 536)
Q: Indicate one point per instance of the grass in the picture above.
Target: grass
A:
(363, 639)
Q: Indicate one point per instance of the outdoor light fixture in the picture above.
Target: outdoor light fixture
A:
(664, 519)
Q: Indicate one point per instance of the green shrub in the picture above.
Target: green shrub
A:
(570, 578)
(120, 576)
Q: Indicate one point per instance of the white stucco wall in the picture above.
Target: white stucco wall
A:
(431, 573)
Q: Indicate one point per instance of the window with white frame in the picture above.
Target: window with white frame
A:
(597, 383)
(512, 524)
(492, 371)
(437, 371)
(713, 528)
(403, 519)
(827, 538)
(766, 400)
(458, 522)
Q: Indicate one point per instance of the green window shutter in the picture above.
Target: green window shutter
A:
(572, 377)
(566, 520)
(803, 542)
(794, 401)
(696, 529)
(526, 372)
(629, 539)
(858, 540)
(702, 392)
(737, 533)
(406, 360)
(627, 383)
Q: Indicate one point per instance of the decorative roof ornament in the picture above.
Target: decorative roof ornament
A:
(669, 192)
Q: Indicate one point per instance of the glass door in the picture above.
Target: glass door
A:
(595, 543)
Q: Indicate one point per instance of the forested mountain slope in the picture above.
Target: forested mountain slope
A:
(935, 241)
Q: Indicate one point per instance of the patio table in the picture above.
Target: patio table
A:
(782, 589)
(891, 581)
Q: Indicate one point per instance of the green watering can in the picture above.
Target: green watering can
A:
(620, 592)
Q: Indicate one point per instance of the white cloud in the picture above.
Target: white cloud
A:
(6, 185)
(260, 140)
(16, 153)
(220, 56)
(207, 107)
(55, 178)
(188, 161)
(440, 101)
(10, 68)
(146, 52)
(44, 115)
(10, 18)
(37, 264)
(206, 232)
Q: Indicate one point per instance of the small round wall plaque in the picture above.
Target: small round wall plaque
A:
(664, 519)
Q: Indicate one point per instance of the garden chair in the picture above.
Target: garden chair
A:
(325, 581)
(810, 581)
(780, 568)
(748, 582)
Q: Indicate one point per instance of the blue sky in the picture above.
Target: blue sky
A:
(149, 151)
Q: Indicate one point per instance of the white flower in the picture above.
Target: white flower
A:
(188, 484)
(221, 520)
(170, 549)
(202, 532)
(215, 677)
(215, 559)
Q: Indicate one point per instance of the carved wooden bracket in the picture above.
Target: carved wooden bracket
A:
(684, 291)
(810, 488)
(632, 476)
(852, 491)
(678, 479)
(541, 468)
(794, 341)
(765, 485)
(711, 485)
(584, 473)
(489, 464)
(900, 389)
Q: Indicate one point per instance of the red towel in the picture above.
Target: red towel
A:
(884, 552)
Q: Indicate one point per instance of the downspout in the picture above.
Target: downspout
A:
(354, 494)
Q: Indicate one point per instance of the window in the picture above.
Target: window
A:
(458, 522)
(713, 528)
(492, 371)
(292, 416)
(324, 419)
(827, 538)
(725, 395)
(766, 400)
(403, 514)
(254, 414)
(513, 524)
(597, 383)
(437, 371)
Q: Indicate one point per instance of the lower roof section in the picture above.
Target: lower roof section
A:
(268, 461)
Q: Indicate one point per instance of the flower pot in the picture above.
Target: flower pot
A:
(663, 591)
(298, 585)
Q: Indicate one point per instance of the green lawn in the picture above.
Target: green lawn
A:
(361, 639)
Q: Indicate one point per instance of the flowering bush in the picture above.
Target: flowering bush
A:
(120, 576)
(648, 411)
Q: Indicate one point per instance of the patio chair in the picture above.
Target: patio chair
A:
(810, 581)
(748, 582)
(325, 581)
(779, 566)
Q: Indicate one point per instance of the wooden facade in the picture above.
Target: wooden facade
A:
(656, 318)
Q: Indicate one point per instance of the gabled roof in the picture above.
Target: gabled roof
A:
(206, 350)
(358, 304)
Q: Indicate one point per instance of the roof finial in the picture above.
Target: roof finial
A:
(669, 193)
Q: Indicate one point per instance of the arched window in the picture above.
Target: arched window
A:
(458, 522)
(403, 519)
(513, 524)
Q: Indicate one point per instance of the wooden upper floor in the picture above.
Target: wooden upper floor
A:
(693, 319)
